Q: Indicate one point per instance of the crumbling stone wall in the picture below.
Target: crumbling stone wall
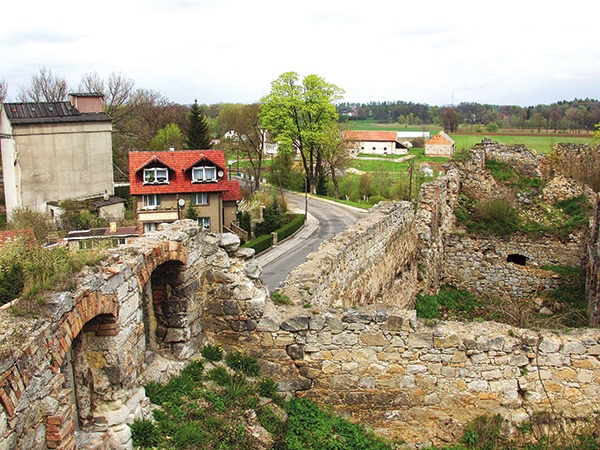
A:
(593, 270)
(481, 264)
(374, 257)
(422, 383)
(83, 359)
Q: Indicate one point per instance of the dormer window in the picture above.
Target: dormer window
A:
(156, 175)
(204, 174)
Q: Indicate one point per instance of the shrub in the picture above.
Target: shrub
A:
(23, 218)
(144, 433)
(374, 199)
(491, 127)
(280, 299)
(190, 435)
(260, 244)
(296, 222)
(212, 352)
(243, 363)
(496, 216)
(220, 376)
(194, 371)
(427, 306)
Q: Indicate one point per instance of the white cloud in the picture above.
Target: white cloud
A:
(431, 51)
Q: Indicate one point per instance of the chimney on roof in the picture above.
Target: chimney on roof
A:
(87, 102)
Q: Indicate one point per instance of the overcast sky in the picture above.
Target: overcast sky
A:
(524, 52)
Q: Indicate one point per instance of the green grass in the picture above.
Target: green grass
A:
(542, 144)
(206, 410)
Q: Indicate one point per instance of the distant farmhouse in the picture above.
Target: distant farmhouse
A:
(440, 145)
(55, 151)
(376, 142)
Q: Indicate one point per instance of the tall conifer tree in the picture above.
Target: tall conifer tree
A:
(197, 133)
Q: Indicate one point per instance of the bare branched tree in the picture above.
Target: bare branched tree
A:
(45, 87)
(248, 139)
(3, 90)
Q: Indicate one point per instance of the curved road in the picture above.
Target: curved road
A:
(333, 218)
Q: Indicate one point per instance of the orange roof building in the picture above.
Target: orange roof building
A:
(440, 145)
(376, 142)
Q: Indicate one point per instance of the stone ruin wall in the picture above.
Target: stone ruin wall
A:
(418, 382)
(593, 271)
(87, 355)
(479, 265)
(349, 269)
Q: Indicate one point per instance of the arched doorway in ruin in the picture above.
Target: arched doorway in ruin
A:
(94, 371)
(171, 311)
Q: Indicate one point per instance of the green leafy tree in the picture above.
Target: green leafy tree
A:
(297, 114)
(596, 133)
(191, 213)
(197, 131)
(337, 154)
(169, 136)
(450, 119)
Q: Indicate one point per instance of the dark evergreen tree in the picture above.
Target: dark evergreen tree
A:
(197, 132)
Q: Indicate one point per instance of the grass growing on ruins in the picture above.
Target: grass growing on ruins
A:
(500, 215)
(230, 407)
(541, 432)
(449, 304)
(567, 305)
(26, 270)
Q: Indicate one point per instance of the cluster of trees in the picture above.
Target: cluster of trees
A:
(143, 119)
(573, 116)
(303, 115)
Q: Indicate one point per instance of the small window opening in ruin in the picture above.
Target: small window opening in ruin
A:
(517, 259)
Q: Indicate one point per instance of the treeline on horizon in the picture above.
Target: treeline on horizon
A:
(564, 116)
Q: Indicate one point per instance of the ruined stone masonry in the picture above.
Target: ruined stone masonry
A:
(73, 377)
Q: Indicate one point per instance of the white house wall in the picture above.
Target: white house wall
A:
(61, 161)
(10, 170)
(380, 148)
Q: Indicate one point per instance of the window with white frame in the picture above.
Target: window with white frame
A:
(204, 222)
(156, 175)
(152, 201)
(204, 173)
(200, 198)
(149, 227)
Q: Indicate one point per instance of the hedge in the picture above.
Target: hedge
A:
(262, 243)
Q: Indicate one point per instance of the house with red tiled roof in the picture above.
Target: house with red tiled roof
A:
(376, 142)
(166, 183)
(440, 145)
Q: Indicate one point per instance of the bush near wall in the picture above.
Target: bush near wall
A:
(262, 243)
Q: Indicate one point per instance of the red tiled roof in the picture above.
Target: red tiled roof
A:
(373, 136)
(180, 177)
(440, 139)
(233, 194)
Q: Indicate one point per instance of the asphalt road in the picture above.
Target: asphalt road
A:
(332, 218)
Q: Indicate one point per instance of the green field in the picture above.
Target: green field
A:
(541, 142)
